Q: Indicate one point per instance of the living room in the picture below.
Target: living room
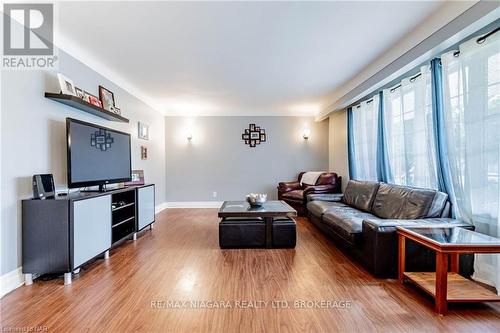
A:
(250, 166)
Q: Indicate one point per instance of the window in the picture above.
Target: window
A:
(364, 139)
(471, 93)
(409, 133)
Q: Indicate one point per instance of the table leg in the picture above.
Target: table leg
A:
(269, 232)
(454, 264)
(441, 282)
(401, 258)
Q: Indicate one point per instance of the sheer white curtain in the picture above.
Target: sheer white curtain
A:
(409, 132)
(471, 89)
(365, 125)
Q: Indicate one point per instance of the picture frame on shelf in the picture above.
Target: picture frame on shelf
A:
(86, 96)
(137, 178)
(107, 99)
(66, 85)
(143, 131)
(80, 93)
(94, 100)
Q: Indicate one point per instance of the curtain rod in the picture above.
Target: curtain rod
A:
(367, 102)
(480, 40)
(412, 79)
(376, 83)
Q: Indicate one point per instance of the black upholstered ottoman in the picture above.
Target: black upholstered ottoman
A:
(284, 233)
(242, 232)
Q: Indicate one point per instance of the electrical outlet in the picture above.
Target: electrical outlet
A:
(214, 194)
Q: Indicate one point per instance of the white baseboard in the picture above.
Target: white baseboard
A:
(10, 281)
(194, 204)
(160, 207)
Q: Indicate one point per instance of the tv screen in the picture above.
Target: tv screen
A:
(96, 155)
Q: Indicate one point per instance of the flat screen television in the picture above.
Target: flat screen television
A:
(96, 155)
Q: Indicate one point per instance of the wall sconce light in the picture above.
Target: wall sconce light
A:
(306, 134)
(190, 137)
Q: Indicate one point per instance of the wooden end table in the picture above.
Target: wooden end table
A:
(448, 243)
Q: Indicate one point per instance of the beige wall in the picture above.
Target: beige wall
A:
(337, 144)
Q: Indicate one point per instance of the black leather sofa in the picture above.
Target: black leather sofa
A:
(363, 221)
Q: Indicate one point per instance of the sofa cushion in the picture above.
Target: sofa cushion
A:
(295, 195)
(346, 220)
(318, 208)
(332, 197)
(360, 194)
(402, 202)
(439, 204)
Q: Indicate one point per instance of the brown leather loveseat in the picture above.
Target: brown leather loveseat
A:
(295, 192)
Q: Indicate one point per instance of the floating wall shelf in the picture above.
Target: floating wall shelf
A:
(80, 104)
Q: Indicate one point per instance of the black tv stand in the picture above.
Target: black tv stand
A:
(62, 234)
(101, 189)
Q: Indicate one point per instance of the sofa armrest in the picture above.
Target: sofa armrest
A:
(284, 187)
(330, 197)
(320, 189)
(380, 244)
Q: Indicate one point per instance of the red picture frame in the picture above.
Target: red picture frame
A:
(95, 101)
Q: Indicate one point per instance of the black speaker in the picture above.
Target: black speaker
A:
(43, 186)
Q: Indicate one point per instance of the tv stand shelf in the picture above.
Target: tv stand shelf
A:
(124, 206)
(122, 222)
(123, 215)
(82, 105)
(62, 234)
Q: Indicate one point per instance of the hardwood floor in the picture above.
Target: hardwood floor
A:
(179, 260)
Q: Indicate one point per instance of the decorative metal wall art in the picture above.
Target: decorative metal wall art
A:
(254, 135)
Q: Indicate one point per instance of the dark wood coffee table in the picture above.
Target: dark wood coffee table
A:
(268, 211)
(449, 243)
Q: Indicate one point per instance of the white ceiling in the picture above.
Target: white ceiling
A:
(234, 58)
